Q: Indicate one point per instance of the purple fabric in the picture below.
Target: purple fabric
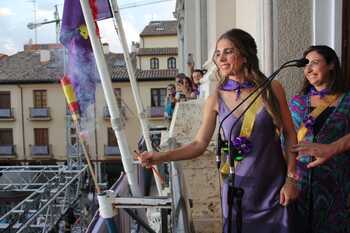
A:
(331, 180)
(261, 174)
(321, 93)
(242, 144)
(232, 85)
(81, 67)
(309, 122)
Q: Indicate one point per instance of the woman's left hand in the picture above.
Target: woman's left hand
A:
(288, 193)
(321, 152)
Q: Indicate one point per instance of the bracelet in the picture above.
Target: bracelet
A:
(293, 178)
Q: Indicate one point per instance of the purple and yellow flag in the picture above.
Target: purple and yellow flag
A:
(81, 67)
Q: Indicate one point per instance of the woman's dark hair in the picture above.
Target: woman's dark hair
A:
(337, 82)
(247, 48)
(181, 76)
(200, 71)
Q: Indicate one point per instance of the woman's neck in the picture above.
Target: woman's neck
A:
(238, 78)
(320, 87)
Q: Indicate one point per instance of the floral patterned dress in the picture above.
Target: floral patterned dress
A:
(324, 202)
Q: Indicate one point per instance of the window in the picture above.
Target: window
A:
(73, 136)
(171, 63)
(154, 63)
(41, 136)
(40, 98)
(158, 97)
(112, 140)
(6, 143)
(6, 137)
(118, 96)
(5, 99)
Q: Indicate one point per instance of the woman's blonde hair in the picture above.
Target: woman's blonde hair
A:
(247, 48)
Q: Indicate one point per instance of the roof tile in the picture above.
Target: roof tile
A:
(159, 28)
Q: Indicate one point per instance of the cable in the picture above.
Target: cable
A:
(144, 3)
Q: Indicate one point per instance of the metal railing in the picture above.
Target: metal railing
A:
(6, 113)
(111, 150)
(153, 112)
(41, 150)
(39, 113)
(7, 150)
(107, 115)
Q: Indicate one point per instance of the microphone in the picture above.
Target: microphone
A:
(301, 62)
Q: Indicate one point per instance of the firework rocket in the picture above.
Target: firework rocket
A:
(70, 97)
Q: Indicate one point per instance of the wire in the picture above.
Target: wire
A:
(221, 212)
(144, 3)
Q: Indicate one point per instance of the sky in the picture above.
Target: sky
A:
(16, 14)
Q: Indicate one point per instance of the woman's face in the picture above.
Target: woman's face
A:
(179, 83)
(317, 71)
(186, 84)
(228, 58)
(171, 90)
(196, 77)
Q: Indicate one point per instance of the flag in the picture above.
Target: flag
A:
(81, 66)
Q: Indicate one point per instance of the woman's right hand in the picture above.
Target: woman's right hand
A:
(147, 159)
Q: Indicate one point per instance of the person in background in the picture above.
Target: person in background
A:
(178, 86)
(170, 102)
(196, 76)
(268, 180)
(321, 113)
(187, 88)
(183, 88)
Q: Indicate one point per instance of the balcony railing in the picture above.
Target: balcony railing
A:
(39, 113)
(7, 150)
(41, 150)
(107, 115)
(75, 150)
(111, 151)
(156, 111)
(6, 114)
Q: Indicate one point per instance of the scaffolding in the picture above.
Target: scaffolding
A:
(52, 190)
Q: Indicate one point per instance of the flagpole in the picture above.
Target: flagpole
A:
(127, 158)
(74, 107)
(140, 108)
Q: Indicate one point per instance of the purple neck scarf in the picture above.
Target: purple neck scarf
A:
(232, 85)
(321, 93)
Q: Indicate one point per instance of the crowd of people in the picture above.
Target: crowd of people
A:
(185, 88)
(296, 185)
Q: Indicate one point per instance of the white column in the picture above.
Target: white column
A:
(327, 21)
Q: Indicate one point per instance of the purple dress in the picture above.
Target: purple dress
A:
(261, 174)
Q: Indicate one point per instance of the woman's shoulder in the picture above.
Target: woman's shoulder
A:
(345, 100)
(213, 101)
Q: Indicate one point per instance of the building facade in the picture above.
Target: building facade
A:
(35, 125)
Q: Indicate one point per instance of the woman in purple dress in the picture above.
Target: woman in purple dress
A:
(267, 178)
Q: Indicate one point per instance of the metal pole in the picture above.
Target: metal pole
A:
(140, 108)
(127, 158)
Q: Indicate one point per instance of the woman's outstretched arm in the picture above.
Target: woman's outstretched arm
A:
(196, 147)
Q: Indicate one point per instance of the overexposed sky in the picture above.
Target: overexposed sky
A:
(16, 14)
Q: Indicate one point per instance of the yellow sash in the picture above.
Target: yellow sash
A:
(246, 128)
(326, 102)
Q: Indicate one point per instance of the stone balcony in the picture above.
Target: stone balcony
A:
(200, 174)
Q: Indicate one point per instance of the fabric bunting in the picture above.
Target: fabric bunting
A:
(81, 67)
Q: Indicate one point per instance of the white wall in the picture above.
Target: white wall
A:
(327, 21)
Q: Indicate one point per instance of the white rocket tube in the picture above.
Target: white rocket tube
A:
(140, 108)
(127, 158)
